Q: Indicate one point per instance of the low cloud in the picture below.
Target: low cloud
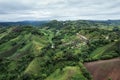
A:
(17, 10)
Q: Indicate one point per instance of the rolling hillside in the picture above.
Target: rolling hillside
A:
(57, 50)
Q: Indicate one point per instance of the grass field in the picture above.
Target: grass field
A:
(68, 73)
(101, 50)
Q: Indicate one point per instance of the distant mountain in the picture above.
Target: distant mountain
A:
(22, 23)
(60, 23)
(108, 22)
(39, 23)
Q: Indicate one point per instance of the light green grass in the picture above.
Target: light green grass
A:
(36, 47)
(99, 51)
(5, 33)
(8, 45)
(68, 73)
(34, 67)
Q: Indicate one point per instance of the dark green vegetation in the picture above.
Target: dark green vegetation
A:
(56, 50)
(23, 23)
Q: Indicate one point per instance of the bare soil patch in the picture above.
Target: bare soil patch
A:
(104, 69)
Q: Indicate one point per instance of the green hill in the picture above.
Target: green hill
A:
(107, 51)
(68, 73)
(56, 50)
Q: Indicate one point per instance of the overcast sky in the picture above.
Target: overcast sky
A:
(18, 10)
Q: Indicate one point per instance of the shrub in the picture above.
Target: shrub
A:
(85, 72)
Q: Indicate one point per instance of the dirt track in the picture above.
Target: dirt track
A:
(104, 69)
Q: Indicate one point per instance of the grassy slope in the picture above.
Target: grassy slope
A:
(7, 50)
(34, 66)
(68, 73)
(5, 33)
(105, 50)
(8, 45)
(34, 43)
(37, 44)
